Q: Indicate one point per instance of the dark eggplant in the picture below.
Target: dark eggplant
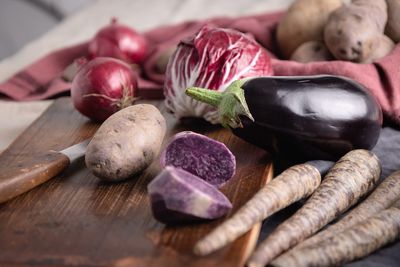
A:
(300, 117)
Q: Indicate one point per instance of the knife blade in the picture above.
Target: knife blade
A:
(31, 172)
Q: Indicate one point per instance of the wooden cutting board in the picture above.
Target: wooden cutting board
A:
(77, 220)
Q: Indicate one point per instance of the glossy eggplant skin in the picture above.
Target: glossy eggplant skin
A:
(310, 117)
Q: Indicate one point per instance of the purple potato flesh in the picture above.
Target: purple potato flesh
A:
(178, 196)
(200, 155)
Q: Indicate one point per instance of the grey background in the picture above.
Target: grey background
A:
(22, 20)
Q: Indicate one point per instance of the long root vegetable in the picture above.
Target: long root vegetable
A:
(380, 199)
(354, 175)
(290, 186)
(353, 243)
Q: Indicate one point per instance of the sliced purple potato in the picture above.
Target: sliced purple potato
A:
(200, 155)
(178, 196)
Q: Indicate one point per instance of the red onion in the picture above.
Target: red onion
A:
(213, 58)
(119, 41)
(103, 86)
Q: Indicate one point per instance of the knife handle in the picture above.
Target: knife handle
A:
(29, 173)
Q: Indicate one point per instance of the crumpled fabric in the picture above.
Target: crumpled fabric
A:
(42, 79)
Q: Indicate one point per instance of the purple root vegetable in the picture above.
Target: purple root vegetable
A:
(353, 176)
(200, 155)
(178, 196)
(290, 186)
(353, 243)
(380, 199)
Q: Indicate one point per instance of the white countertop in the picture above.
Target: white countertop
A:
(81, 26)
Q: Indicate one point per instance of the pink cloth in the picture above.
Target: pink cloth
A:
(42, 79)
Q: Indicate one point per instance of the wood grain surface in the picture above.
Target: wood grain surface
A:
(30, 172)
(77, 220)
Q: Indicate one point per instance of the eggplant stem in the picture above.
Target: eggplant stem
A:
(231, 103)
(207, 96)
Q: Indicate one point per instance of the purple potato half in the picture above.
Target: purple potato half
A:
(200, 155)
(178, 196)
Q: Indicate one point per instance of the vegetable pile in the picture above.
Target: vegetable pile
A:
(383, 197)
(108, 82)
(341, 188)
(354, 175)
(314, 30)
(303, 22)
(355, 242)
(304, 118)
(213, 58)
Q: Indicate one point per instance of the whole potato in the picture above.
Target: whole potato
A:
(126, 143)
(393, 24)
(377, 11)
(383, 46)
(304, 21)
(353, 30)
(311, 51)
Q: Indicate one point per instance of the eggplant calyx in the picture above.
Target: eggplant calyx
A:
(231, 103)
(207, 96)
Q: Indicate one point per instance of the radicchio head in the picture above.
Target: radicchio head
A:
(213, 58)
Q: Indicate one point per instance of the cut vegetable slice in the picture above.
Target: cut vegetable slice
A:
(200, 155)
(178, 196)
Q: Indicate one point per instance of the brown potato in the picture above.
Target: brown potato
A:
(393, 24)
(352, 30)
(304, 21)
(383, 46)
(311, 51)
(126, 143)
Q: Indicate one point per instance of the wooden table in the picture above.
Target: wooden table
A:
(77, 220)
